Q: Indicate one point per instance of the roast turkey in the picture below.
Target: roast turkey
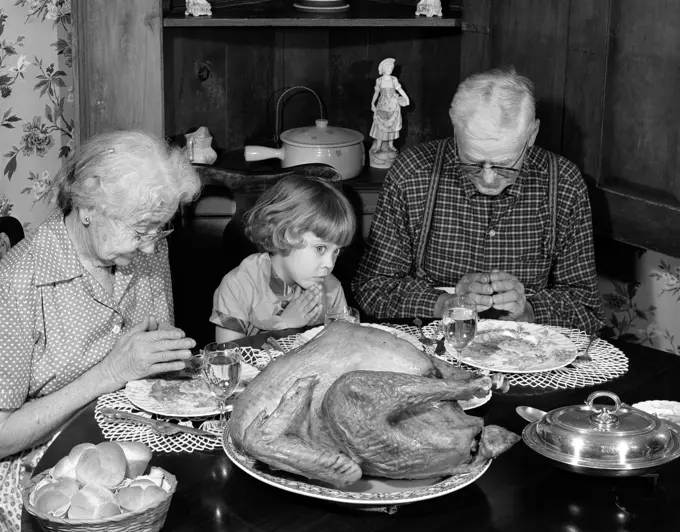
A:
(356, 400)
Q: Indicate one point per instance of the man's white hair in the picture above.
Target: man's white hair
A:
(504, 89)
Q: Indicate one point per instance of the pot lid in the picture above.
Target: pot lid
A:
(321, 134)
(615, 437)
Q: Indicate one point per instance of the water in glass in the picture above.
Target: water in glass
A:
(345, 313)
(222, 371)
(459, 323)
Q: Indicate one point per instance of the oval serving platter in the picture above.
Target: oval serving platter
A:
(366, 492)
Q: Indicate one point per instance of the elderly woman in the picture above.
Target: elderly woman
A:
(86, 300)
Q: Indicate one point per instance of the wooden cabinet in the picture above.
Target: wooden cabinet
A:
(141, 67)
(606, 77)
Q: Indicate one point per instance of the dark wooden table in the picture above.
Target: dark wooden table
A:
(521, 491)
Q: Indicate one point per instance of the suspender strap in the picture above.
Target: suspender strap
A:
(553, 176)
(429, 209)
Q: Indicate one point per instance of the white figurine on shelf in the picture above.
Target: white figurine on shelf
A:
(199, 146)
(429, 8)
(388, 99)
(198, 8)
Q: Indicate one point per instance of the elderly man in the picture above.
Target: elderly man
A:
(487, 213)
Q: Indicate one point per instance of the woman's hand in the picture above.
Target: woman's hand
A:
(304, 307)
(145, 350)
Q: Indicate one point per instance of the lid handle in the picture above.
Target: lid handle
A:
(278, 103)
(604, 417)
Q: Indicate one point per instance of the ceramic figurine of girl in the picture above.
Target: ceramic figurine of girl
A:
(386, 104)
(429, 8)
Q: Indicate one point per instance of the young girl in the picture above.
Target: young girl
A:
(301, 224)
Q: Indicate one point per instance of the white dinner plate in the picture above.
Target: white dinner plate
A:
(448, 289)
(366, 492)
(513, 347)
(183, 398)
(669, 410)
(306, 336)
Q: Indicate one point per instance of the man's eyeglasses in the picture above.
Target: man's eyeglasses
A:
(507, 172)
(151, 238)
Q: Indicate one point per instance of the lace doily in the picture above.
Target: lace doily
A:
(181, 442)
(607, 363)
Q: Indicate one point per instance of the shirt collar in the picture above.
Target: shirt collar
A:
(278, 285)
(55, 256)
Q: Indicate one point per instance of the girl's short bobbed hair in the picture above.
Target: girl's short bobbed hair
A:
(126, 173)
(296, 205)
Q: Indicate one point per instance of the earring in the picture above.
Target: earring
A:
(87, 220)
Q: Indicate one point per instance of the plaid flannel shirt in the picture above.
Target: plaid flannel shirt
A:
(471, 232)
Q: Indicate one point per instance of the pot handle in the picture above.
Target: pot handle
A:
(260, 153)
(277, 133)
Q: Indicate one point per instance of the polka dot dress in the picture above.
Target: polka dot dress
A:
(58, 321)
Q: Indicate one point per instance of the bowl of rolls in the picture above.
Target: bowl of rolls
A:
(107, 486)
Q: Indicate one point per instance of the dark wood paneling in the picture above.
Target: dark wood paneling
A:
(475, 53)
(532, 36)
(253, 67)
(640, 201)
(642, 139)
(586, 64)
(117, 59)
(305, 61)
(195, 83)
(637, 218)
(353, 71)
(222, 79)
(250, 84)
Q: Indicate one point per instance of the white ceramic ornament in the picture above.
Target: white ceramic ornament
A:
(429, 8)
(388, 99)
(199, 146)
(198, 8)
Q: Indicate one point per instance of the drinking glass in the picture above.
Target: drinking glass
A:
(222, 372)
(344, 313)
(459, 322)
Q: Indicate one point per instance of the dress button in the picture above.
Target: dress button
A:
(116, 329)
(492, 233)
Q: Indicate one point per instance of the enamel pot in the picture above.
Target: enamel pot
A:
(341, 148)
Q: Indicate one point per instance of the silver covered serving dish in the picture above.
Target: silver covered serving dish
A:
(604, 440)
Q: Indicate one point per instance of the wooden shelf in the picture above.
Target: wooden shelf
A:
(369, 179)
(276, 13)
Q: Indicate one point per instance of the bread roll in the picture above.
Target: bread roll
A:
(103, 465)
(93, 502)
(65, 468)
(142, 495)
(77, 450)
(55, 498)
(137, 455)
(50, 502)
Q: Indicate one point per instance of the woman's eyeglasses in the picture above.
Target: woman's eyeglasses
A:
(151, 238)
(507, 172)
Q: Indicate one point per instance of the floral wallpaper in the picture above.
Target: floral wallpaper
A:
(36, 134)
(645, 309)
(36, 103)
